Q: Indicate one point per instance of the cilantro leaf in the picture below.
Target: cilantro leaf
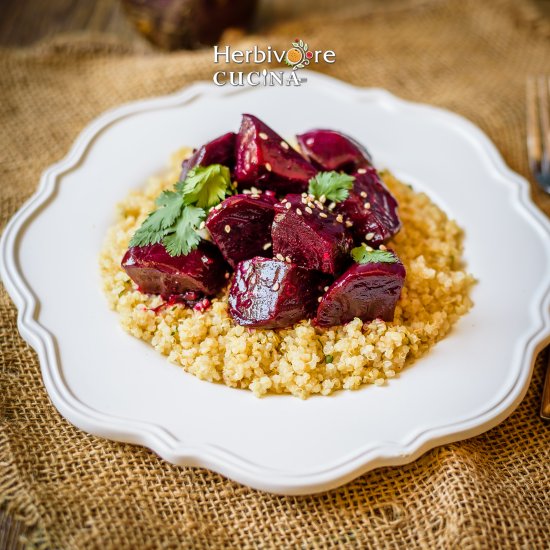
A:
(362, 255)
(157, 222)
(180, 212)
(333, 185)
(206, 186)
(184, 237)
(172, 203)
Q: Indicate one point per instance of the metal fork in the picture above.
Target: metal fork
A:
(538, 151)
(538, 129)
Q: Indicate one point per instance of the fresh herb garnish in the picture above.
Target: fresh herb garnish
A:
(362, 255)
(185, 238)
(334, 186)
(205, 186)
(180, 212)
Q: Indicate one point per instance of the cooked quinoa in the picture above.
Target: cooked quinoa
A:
(302, 360)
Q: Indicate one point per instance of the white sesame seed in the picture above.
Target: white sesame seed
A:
(363, 194)
(332, 206)
(246, 191)
(382, 247)
(255, 190)
(227, 228)
(369, 248)
(202, 225)
(298, 211)
(287, 259)
(325, 289)
(263, 135)
(266, 246)
(268, 166)
(304, 200)
(284, 145)
(288, 206)
(310, 204)
(283, 201)
(361, 171)
(367, 205)
(308, 210)
(369, 236)
(304, 195)
(276, 286)
(226, 275)
(349, 223)
(280, 257)
(322, 199)
(323, 215)
(320, 298)
(339, 218)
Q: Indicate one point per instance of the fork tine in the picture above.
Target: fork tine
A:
(533, 135)
(544, 123)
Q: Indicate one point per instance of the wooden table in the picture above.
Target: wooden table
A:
(23, 22)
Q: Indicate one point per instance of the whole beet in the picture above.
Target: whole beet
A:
(189, 24)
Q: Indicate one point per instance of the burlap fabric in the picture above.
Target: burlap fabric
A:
(74, 490)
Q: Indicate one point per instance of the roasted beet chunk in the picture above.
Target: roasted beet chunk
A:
(310, 235)
(156, 272)
(241, 226)
(368, 291)
(371, 208)
(268, 293)
(219, 151)
(331, 150)
(265, 160)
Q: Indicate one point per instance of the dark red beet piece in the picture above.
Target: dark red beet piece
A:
(331, 150)
(368, 291)
(241, 226)
(314, 238)
(218, 151)
(266, 161)
(156, 272)
(371, 208)
(267, 293)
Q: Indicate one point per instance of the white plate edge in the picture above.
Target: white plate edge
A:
(211, 456)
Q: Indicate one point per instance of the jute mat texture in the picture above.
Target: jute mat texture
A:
(74, 490)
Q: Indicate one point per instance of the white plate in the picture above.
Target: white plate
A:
(112, 385)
